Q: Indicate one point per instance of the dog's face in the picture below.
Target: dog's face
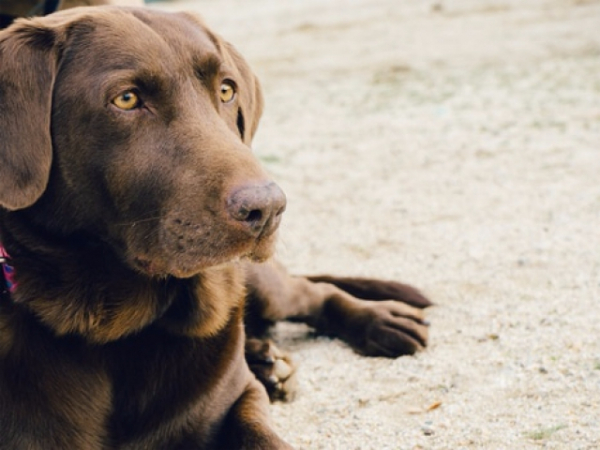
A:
(134, 126)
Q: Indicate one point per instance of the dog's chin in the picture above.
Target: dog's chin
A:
(261, 253)
(188, 264)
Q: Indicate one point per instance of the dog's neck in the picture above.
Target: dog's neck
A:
(78, 285)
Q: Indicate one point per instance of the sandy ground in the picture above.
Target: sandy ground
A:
(454, 145)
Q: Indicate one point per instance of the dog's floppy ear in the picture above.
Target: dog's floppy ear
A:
(251, 99)
(28, 64)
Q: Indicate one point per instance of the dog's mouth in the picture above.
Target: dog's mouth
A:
(148, 267)
(186, 263)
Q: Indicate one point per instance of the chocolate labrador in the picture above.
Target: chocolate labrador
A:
(137, 228)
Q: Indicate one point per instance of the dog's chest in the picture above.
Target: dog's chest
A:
(160, 381)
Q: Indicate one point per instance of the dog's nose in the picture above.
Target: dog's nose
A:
(257, 207)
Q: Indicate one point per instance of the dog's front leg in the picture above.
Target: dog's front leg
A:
(371, 325)
(247, 426)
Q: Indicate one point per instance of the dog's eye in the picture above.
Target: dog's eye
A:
(127, 100)
(227, 91)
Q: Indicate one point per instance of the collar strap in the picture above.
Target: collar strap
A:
(8, 273)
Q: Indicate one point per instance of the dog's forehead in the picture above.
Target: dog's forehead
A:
(141, 37)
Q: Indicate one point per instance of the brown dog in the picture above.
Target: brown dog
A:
(129, 196)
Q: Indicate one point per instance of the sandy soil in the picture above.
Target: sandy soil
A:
(454, 145)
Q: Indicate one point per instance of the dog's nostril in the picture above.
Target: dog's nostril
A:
(254, 216)
(280, 211)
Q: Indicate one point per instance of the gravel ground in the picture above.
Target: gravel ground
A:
(454, 145)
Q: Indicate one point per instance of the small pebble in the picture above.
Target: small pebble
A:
(427, 429)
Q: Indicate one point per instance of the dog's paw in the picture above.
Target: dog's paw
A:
(273, 368)
(391, 329)
(378, 328)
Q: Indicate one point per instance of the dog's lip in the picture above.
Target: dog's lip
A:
(187, 264)
(147, 266)
(177, 267)
(153, 268)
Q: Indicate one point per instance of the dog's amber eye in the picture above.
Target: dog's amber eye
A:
(126, 100)
(227, 92)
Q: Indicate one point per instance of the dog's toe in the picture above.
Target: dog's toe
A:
(273, 368)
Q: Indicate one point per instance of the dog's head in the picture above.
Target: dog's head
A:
(133, 126)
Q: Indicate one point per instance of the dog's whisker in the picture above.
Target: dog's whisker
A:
(135, 222)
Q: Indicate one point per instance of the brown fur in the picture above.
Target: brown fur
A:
(126, 328)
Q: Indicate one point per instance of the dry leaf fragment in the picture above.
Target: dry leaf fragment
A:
(434, 405)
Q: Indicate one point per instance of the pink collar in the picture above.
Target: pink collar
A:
(7, 269)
